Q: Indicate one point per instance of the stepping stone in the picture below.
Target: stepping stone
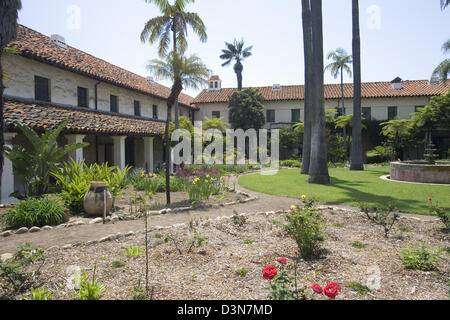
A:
(6, 234)
(46, 228)
(35, 229)
(96, 221)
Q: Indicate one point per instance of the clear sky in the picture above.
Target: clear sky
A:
(398, 37)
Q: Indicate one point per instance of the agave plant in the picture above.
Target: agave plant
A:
(32, 167)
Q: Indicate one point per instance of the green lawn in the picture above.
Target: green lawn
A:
(349, 187)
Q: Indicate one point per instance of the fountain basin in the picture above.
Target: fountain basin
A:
(422, 172)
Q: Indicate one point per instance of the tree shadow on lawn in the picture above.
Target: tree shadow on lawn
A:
(355, 195)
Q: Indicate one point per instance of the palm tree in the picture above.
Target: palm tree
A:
(307, 46)
(318, 167)
(444, 4)
(443, 68)
(8, 32)
(172, 24)
(356, 160)
(235, 51)
(340, 64)
(188, 72)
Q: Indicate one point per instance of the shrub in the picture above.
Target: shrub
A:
(385, 218)
(202, 188)
(305, 226)
(381, 154)
(291, 163)
(40, 294)
(154, 183)
(89, 289)
(442, 213)
(74, 180)
(33, 167)
(139, 293)
(134, 251)
(419, 258)
(35, 212)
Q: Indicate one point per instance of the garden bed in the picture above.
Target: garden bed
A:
(209, 272)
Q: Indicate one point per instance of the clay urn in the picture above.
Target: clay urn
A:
(94, 200)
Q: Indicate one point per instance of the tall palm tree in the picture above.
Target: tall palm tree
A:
(318, 167)
(235, 52)
(172, 24)
(444, 4)
(187, 72)
(307, 48)
(443, 68)
(340, 64)
(9, 12)
(356, 160)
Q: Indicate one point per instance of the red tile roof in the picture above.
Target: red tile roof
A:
(41, 116)
(34, 45)
(333, 91)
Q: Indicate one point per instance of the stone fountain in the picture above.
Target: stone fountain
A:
(428, 171)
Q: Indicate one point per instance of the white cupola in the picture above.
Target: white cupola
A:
(214, 84)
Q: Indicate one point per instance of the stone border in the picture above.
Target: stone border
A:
(116, 216)
(388, 178)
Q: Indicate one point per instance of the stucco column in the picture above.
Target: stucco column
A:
(8, 175)
(76, 155)
(149, 154)
(119, 151)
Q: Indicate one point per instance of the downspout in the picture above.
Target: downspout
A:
(96, 108)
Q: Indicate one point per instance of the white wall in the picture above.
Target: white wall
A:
(64, 88)
(379, 110)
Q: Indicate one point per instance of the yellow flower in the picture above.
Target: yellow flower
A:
(303, 197)
(155, 176)
(293, 208)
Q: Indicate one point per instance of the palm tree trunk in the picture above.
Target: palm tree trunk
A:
(177, 112)
(239, 80)
(318, 167)
(356, 154)
(307, 44)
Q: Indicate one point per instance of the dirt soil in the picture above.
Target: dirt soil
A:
(209, 272)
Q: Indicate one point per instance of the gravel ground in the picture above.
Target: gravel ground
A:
(209, 272)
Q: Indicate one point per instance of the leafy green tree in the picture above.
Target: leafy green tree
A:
(189, 72)
(318, 168)
(235, 52)
(399, 133)
(215, 123)
(443, 68)
(33, 167)
(356, 160)
(8, 32)
(247, 110)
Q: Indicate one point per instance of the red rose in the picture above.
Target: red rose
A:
(296, 252)
(269, 272)
(332, 290)
(282, 260)
(430, 199)
(317, 289)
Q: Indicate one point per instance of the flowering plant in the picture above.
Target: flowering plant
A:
(287, 287)
(441, 212)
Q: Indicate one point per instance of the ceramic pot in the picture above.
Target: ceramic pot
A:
(94, 200)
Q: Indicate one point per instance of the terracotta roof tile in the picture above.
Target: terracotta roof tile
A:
(333, 91)
(34, 45)
(41, 116)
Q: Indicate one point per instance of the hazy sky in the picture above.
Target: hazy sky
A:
(398, 37)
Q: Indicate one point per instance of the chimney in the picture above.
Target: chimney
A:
(276, 87)
(214, 84)
(59, 41)
(151, 81)
(396, 84)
